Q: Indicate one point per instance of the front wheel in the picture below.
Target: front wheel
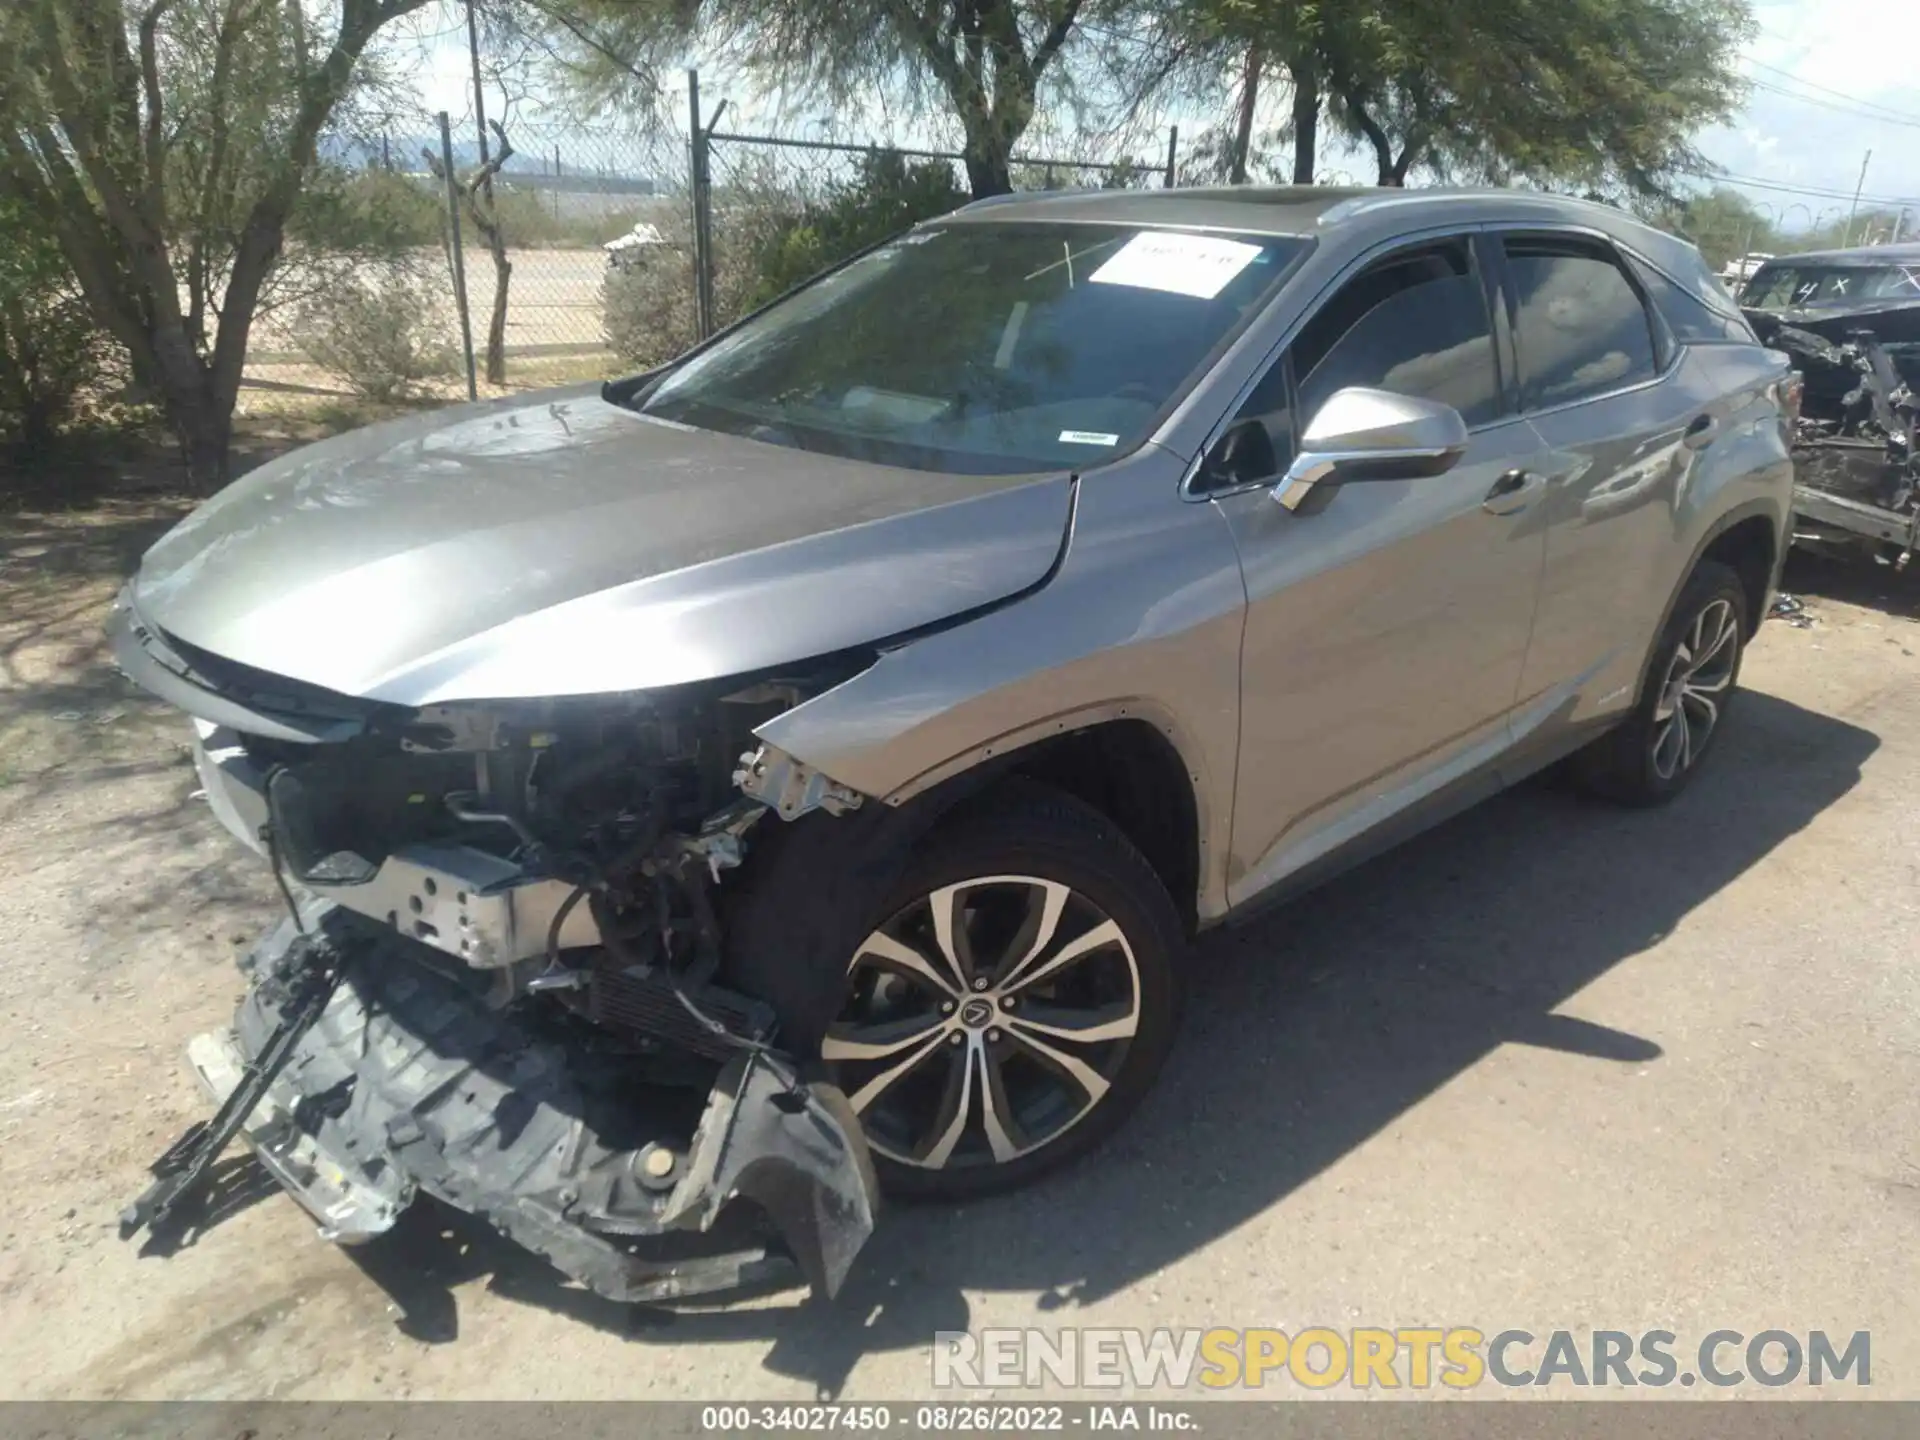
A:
(1650, 757)
(1013, 1000)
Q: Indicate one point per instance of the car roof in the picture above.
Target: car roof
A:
(1283, 209)
(1357, 215)
(1859, 255)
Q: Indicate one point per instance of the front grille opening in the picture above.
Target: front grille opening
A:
(262, 690)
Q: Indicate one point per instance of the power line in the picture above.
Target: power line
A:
(1903, 116)
(1817, 191)
(1845, 109)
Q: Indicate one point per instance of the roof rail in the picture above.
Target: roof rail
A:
(1011, 197)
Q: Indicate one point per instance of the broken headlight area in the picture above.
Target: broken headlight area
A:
(514, 920)
(515, 833)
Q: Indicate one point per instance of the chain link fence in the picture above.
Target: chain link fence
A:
(502, 253)
(526, 251)
(545, 252)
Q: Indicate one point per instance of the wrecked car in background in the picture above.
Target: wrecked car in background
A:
(1851, 321)
(797, 772)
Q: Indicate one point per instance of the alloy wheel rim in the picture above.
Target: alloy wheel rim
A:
(984, 1021)
(1694, 689)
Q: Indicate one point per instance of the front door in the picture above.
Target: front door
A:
(1386, 632)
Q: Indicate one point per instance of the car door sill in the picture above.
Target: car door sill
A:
(1529, 743)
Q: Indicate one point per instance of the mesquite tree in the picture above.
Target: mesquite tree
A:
(167, 145)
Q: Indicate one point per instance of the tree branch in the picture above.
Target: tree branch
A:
(1055, 37)
(1375, 133)
(36, 167)
(494, 163)
(266, 222)
(962, 88)
(155, 146)
(1416, 144)
(232, 22)
(593, 42)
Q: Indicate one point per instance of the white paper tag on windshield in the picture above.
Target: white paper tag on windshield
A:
(1088, 437)
(1197, 265)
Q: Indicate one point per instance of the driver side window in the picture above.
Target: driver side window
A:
(1415, 323)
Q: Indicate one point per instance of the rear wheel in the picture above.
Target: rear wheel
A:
(1651, 756)
(1013, 1000)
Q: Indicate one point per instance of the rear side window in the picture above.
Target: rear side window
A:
(1691, 319)
(1416, 324)
(1580, 326)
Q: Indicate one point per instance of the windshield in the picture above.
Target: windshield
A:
(1786, 287)
(983, 348)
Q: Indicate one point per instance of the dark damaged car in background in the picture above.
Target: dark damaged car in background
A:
(1851, 321)
(707, 801)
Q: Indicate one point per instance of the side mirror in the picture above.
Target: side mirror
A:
(1362, 434)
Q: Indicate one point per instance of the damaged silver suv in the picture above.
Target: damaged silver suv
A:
(798, 771)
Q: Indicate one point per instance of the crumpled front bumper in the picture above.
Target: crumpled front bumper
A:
(411, 1082)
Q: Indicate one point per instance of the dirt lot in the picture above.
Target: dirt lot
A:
(554, 300)
(1549, 1066)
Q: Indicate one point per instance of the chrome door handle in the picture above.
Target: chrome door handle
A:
(1512, 491)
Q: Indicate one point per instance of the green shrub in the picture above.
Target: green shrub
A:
(888, 194)
(51, 351)
(647, 296)
(766, 240)
(382, 334)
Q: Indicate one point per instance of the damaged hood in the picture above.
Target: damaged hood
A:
(558, 544)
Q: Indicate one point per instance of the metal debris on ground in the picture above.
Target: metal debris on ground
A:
(1791, 609)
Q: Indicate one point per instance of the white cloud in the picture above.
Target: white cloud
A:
(1859, 53)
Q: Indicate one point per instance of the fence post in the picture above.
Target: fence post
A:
(702, 215)
(459, 263)
(1173, 153)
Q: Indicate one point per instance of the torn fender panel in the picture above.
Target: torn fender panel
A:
(1142, 621)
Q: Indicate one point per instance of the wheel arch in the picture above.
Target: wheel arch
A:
(1751, 534)
(1125, 759)
(1749, 546)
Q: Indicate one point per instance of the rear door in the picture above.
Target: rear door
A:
(1603, 383)
(1385, 633)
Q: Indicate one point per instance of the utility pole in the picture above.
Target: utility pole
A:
(1858, 185)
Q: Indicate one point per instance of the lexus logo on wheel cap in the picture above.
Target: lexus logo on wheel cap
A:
(976, 1013)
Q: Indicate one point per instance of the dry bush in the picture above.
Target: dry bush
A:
(647, 296)
(381, 334)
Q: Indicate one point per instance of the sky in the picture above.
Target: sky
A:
(1831, 80)
(1852, 72)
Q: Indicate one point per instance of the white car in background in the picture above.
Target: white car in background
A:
(627, 248)
(1737, 273)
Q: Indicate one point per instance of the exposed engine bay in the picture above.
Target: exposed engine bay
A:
(499, 980)
(1856, 446)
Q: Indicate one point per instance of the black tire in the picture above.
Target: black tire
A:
(1021, 829)
(1635, 763)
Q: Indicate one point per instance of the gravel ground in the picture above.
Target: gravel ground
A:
(1551, 1065)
